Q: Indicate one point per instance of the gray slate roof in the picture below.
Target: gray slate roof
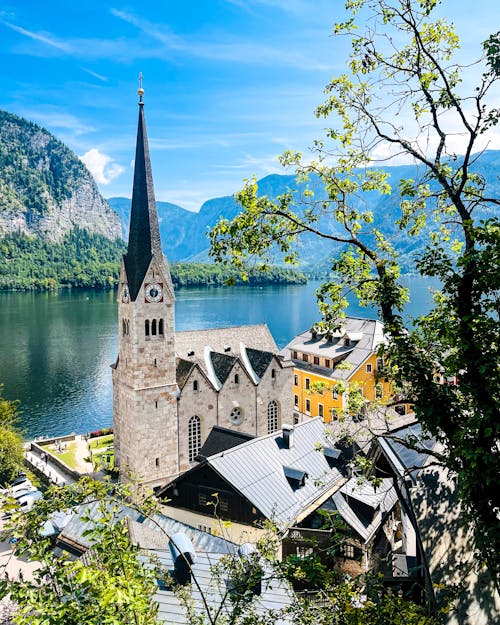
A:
(365, 336)
(216, 350)
(275, 594)
(144, 234)
(222, 364)
(256, 470)
(219, 339)
(219, 439)
(259, 360)
(183, 369)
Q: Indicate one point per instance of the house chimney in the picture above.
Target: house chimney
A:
(288, 435)
(183, 556)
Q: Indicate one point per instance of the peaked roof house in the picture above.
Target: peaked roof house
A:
(326, 364)
(291, 478)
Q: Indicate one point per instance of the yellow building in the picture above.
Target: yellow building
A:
(330, 367)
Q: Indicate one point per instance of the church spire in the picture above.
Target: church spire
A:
(144, 234)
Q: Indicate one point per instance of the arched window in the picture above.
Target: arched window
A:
(153, 327)
(236, 378)
(272, 416)
(146, 327)
(124, 327)
(160, 327)
(194, 437)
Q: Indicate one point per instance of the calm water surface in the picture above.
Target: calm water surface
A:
(56, 349)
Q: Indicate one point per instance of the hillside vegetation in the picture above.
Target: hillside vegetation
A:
(45, 189)
(84, 260)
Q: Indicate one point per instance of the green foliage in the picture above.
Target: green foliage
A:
(401, 67)
(111, 587)
(35, 166)
(81, 259)
(11, 442)
(208, 274)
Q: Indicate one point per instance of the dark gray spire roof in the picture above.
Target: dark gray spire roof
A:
(144, 234)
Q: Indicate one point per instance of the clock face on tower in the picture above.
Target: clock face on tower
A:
(154, 292)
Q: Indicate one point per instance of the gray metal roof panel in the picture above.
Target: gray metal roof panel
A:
(275, 594)
(370, 330)
(255, 469)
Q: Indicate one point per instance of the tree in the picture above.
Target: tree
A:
(404, 94)
(11, 442)
(111, 587)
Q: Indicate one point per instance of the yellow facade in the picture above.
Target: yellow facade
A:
(370, 381)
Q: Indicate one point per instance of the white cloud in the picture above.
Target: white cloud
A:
(59, 120)
(95, 74)
(45, 38)
(101, 166)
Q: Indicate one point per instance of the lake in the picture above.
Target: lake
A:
(56, 349)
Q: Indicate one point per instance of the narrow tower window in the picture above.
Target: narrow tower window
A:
(236, 378)
(146, 327)
(153, 327)
(194, 437)
(195, 385)
(124, 327)
(160, 327)
(272, 416)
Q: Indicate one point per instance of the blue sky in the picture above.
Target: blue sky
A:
(229, 84)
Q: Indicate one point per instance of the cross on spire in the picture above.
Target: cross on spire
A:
(140, 91)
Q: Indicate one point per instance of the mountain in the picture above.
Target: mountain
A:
(184, 233)
(45, 189)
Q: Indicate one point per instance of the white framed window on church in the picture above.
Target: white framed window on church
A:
(194, 437)
(272, 416)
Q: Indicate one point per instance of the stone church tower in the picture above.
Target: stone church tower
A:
(144, 376)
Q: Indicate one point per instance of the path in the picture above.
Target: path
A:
(53, 473)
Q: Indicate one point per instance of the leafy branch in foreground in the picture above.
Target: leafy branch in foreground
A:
(403, 94)
(115, 583)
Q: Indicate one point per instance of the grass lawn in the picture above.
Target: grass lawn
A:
(101, 441)
(100, 450)
(68, 457)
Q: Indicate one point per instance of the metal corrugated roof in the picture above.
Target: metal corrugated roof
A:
(202, 541)
(275, 594)
(255, 469)
(73, 533)
(384, 496)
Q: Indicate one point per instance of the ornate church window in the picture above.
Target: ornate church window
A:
(194, 437)
(272, 416)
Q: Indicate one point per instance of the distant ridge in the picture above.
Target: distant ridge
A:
(184, 233)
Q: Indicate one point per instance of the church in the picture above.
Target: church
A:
(171, 388)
